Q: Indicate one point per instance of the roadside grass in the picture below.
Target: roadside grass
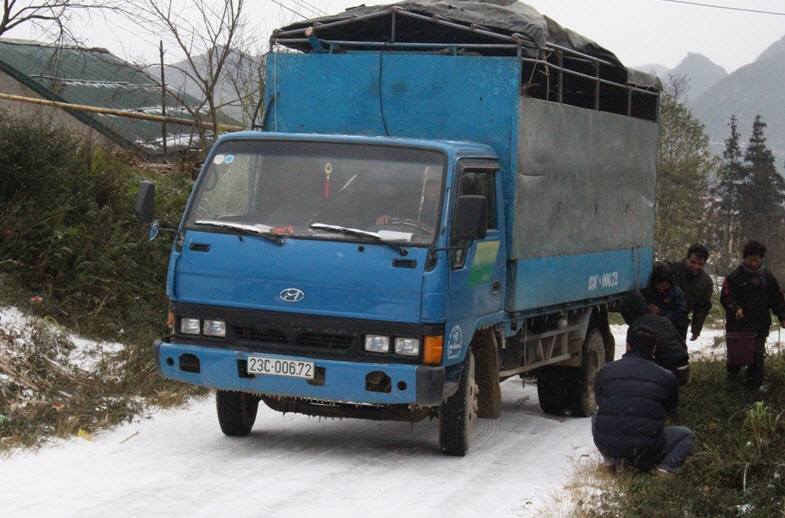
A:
(737, 467)
(72, 253)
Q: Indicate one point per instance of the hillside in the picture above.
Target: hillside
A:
(701, 72)
(752, 89)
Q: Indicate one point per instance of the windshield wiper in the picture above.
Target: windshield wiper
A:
(250, 229)
(359, 233)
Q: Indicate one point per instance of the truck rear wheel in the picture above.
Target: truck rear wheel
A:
(458, 414)
(584, 402)
(236, 412)
(554, 386)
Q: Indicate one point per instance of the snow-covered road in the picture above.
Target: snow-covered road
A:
(179, 464)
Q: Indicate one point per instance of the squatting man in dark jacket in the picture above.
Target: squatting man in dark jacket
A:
(697, 287)
(749, 293)
(634, 397)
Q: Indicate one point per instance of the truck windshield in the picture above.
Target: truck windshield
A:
(322, 190)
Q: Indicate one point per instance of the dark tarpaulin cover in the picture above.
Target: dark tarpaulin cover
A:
(503, 16)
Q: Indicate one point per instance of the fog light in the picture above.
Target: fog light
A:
(214, 328)
(407, 346)
(189, 326)
(377, 343)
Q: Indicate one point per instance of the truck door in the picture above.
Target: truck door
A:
(476, 281)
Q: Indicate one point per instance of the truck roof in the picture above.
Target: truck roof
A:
(450, 147)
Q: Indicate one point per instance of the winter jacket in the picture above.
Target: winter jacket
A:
(697, 290)
(634, 396)
(756, 292)
(671, 349)
(672, 303)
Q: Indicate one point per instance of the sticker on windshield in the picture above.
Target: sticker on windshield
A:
(219, 159)
(229, 159)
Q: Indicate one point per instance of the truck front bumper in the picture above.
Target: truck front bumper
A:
(338, 381)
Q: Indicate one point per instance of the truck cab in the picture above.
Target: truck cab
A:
(337, 269)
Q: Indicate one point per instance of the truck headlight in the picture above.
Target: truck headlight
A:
(190, 326)
(377, 343)
(214, 328)
(407, 346)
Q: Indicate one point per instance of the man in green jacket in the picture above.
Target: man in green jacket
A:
(697, 287)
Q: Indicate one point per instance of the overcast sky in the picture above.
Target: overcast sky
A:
(638, 31)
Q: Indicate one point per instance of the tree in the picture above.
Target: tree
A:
(51, 16)
(211, 37)
(762, 208)
(726, 200)
(682, 177)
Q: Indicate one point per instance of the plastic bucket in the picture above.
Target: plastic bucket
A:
(741, 348)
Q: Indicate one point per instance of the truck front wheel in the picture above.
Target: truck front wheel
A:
(458, 414)
(236, 412)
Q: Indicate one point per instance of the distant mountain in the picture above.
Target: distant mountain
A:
(751, 90)
(701, 72)
(776, 48)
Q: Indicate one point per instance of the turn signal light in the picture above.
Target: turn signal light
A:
(432, 350)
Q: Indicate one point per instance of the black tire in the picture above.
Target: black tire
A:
(458, 414)
(236, 412)
(554, 389)
(583, 401)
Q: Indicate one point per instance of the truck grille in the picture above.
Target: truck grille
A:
(251, 334)
(312, 336)
(325, 340)
(304, 339)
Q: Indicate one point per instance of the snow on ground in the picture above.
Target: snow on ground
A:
(177, 463)
(86, 354)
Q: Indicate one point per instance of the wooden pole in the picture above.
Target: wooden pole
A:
(119, 113)
(163, 98)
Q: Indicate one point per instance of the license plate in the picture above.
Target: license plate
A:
(278, 367)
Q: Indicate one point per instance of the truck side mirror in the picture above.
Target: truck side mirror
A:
(470, 218)
(145, 202)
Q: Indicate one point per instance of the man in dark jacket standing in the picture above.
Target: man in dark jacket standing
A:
(697, 287)
(671, 350)
(665, 298)
(749, 293)
(634, 397)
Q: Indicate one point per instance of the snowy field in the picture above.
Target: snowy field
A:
(177, 463)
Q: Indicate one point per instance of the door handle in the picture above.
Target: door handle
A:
(496, 288)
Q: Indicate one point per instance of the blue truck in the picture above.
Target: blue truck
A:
(426, 208)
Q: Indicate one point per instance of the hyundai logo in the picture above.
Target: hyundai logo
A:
(292, 295)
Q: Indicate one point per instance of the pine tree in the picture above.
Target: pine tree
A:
(763, 195)
(726, 201)
(762, 207)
